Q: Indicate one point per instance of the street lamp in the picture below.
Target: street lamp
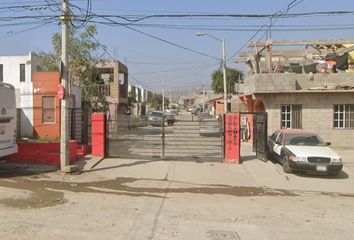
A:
(200, 34)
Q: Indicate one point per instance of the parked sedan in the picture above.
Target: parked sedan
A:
(170, 118)
(204, 115)
(303, 150)
(155, 118)
(210, 127)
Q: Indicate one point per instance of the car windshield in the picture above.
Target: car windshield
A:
(303, 140)
(156, 114)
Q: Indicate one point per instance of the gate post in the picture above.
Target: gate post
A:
(99, 134)
(163, 136)
(232, 138)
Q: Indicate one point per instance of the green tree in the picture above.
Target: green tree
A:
(82, 45)
(232, 76)
(131, 102)
(156, 101)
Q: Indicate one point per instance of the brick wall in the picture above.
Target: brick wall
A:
(317, 113)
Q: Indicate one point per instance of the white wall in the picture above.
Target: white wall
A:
(11, 71)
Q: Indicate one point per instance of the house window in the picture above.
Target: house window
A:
(343, 116)
(22, 72)
(1, 72)
(291, 116)
(48, 110)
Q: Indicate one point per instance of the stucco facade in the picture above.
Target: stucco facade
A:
(45, 85)
(24, 90)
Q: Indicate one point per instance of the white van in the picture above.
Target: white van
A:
(8, 122)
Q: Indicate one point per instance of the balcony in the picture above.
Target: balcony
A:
(104, 89)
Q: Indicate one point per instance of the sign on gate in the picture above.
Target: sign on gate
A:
(232, 138)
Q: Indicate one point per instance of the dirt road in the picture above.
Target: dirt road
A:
(149, 199)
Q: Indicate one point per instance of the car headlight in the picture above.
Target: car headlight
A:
(298, 159)
(336, 160)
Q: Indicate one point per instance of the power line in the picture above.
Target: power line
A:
(240, 28)
(154, 37)
(291, 5)
(129, 74)
(26, 30)
(86, 15)
(178, 69)
(279, 14)
(165, 41)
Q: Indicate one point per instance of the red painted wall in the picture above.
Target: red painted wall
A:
(232, 138)
(98, 135)
(45, 84)
(42, 153)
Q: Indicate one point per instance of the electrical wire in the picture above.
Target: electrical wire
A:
(291, 5)
(86, 15)
(29, 29)
(178, 69)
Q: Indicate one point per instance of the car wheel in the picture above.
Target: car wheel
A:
(286, 167)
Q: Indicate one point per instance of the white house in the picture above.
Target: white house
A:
(17, 70)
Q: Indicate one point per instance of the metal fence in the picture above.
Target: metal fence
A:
(131, 137)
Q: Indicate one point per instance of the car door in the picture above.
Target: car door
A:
(278, 144)
(271, 140)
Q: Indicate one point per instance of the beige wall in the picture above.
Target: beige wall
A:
(317, 113)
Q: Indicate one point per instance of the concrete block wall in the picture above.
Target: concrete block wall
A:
(317, 113)
(289, 82)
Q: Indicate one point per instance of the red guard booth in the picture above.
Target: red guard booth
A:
(99, 135)
(232, 138)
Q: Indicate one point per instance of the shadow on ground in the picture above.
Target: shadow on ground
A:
(10, 170)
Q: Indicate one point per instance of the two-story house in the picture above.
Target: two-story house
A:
(17, 70)
(114, 78)
(37, 103)
(307, 88)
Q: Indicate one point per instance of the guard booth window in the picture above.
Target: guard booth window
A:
(291, 116)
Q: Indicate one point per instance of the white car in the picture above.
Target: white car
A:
(303, 150)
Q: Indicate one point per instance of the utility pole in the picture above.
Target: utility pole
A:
(163, 95)
(203, 98)
(223, 60)
(270, 28)
(224, 74)
(163, 120)
(64, 123)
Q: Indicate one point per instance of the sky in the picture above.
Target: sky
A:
(166, 48)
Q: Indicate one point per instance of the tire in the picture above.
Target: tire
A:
(285, 164)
